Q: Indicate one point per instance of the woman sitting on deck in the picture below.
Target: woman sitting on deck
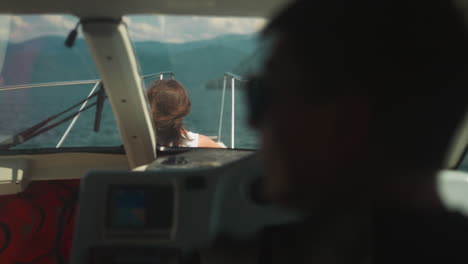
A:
(170, 103)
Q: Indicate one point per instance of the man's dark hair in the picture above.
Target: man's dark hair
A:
(410, 57)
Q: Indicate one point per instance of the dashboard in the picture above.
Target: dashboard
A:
(177, 206)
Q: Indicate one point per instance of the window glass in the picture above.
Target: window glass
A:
(35, 71)
(200, 51)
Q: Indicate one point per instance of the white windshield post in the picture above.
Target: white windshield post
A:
(233, 111)
(113, 54)
(222, 109)
(76, 117)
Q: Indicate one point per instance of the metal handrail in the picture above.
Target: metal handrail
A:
(222, 109)
(65, 135)
(50, 84)
(160, 74)
(96, 83)
(71, 83)
(234, 78)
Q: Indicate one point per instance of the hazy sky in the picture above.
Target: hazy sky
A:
(176, 29)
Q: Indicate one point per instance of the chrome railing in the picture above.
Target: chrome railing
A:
(5, 88)
(50, 84)
(97, 83)
(161, 75)
(70, 127)
(233, 78)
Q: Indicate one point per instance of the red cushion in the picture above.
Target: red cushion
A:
(31, 221)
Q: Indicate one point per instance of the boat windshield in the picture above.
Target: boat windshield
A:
(212, 57)
(41, 77)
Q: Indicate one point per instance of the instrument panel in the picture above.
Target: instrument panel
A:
(170, 210)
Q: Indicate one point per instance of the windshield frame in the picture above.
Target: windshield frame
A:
(92, 36)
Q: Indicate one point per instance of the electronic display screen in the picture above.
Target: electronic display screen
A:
(133, 207)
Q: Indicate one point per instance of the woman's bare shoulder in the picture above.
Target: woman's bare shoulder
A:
(206, 142)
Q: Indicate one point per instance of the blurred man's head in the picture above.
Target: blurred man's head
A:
(357, 89)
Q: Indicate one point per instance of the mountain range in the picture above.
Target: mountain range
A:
(46, 59)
